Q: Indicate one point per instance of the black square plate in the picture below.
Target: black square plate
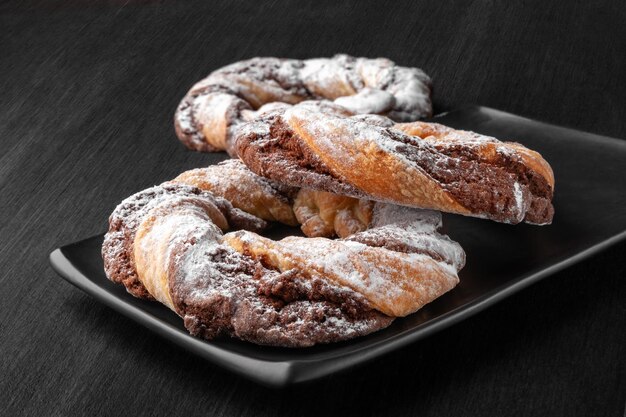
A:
(590, 205)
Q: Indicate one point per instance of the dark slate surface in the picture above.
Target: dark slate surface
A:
(87, 94)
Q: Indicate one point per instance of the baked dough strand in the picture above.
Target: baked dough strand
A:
(417, 164)
(208, 114)
(173, 243)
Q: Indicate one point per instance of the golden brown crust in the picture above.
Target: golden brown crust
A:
(295, 292)
(395, 283)
(488, 150)
(245, 190)
(323, 214)
(318, 213)
(415, 164)
(215, 106)
(369, 167)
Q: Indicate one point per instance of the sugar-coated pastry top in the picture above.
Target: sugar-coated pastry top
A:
(332, 145)
(243, 90)
(416, 164)
(174, 243)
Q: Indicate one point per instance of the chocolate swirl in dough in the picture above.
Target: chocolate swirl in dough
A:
(169, 243)
(239, 92)
(415, 164)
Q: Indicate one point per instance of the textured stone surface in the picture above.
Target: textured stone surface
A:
(88, 97)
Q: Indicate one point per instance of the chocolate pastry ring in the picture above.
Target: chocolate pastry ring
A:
(168, 243)
(239, 92)
(193, 243)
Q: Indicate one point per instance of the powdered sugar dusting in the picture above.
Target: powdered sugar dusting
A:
(361, 85)
(426, 165)
(368, 101)
(412, 230)
(396, 282)
(201, 266)
(157, 238)
(232, 180)
(185, 261)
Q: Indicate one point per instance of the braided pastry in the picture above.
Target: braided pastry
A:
(207, 115)
(168, 243)
(245, 190)
(414, 164)
(319, 213)
(337, 167)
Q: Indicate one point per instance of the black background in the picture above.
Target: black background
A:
(87, 95)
